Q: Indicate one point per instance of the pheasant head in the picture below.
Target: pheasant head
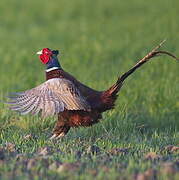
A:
(49, 57)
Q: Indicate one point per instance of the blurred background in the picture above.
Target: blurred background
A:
(98, 40)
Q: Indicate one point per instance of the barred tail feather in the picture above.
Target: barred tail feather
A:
(114, 89)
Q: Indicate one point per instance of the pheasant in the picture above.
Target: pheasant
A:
(74, 103)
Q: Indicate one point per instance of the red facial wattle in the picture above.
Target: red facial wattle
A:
(44, 58)
(46, 55)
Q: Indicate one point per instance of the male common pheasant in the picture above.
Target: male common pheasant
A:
(63, 95)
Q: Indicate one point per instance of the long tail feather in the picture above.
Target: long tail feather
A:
(154, 53)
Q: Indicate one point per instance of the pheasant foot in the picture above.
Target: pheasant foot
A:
(57, 136)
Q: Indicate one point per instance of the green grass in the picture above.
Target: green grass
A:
(99, 40)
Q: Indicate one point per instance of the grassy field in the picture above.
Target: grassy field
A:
(99, 40)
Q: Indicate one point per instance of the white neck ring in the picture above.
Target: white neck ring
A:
(51, 69)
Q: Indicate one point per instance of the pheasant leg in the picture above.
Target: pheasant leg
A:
(61, 129)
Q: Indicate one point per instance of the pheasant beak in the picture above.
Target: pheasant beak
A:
(39, 52)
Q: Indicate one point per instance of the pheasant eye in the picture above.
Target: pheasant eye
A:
(47, 51)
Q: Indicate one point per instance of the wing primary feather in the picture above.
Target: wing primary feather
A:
(50, 98)
(23, 105)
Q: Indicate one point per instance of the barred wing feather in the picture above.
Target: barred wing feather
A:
(51, 97)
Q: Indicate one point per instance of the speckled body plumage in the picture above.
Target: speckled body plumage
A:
(99, 101)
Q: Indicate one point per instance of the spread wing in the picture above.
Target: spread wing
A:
(51, 97)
